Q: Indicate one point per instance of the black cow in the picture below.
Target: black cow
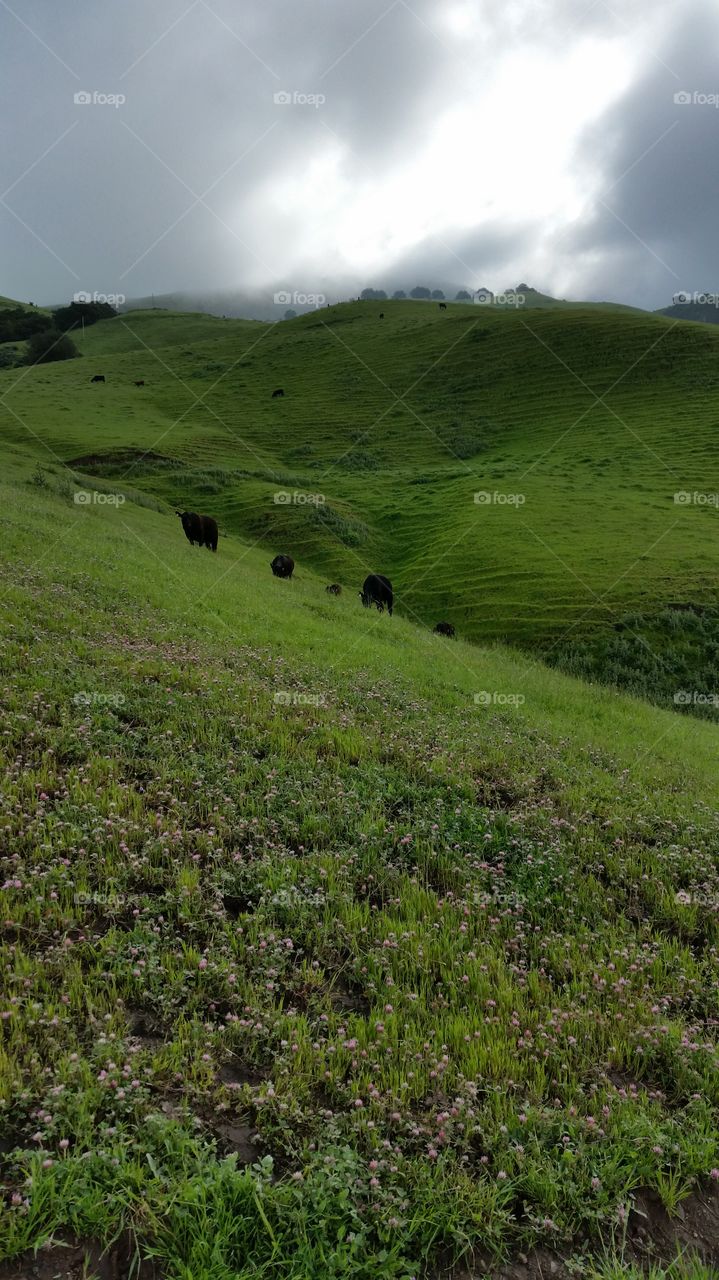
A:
(381, 315)
(443, 306)
(282, 566)
(377, 590)
(200, 530)
(99, 377)
(277, 393)
(334, 589)
(139, 384)
(445, 629)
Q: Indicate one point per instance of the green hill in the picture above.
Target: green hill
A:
(11, 304)
(703, 312)
(329, 947)
(523, 296)
(576, 425)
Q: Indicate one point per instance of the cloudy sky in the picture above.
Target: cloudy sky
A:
(333, 144)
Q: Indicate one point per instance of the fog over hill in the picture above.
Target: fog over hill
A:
(203, 149)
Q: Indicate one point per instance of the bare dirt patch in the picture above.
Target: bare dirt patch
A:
(144, 1029)
(80, 1260)
(231, 1136)
(693, 1229)
(114, 458)
(237, 1073)
(344, 1000)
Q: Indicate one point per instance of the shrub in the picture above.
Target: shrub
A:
(49, 346)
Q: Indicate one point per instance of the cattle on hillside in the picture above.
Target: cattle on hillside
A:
(139, 384)
(377, 590)
(443, 306)
(276, 394)
(99, 377)
(334, 589)
(199, 530)
(445, 629)
(282, 566)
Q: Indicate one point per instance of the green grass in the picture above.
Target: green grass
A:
(397, 424)
(317, 960)
(12, 302)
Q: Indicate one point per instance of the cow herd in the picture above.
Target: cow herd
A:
(100, 377)
(376, 590)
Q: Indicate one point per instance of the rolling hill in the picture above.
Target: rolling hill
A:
(330, 947)
(576, 426)
(703, 312)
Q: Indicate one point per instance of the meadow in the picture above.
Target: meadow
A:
(514, 471)
(331, 947)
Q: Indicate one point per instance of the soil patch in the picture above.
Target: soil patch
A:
(80, 1260)
(113, 458)
(694, 1228)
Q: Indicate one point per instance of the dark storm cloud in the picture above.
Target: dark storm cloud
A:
(654, 165)
(177, 187)
(199, 84)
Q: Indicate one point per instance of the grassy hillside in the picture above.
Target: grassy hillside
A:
(576, 427)
(12, 302)
(148, 331)
(703, 312)
(332, 948)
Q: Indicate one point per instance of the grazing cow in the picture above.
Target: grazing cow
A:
(99, 377)
(445, 629)
(277, 393)
(443, 306)
(377, 590)
(381, 315)
(139, 384)
(210, 533)
(282, 566)
(200, 530)
(334, 589)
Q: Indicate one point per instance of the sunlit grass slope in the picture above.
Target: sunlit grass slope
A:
(576, 426)
(330, 947)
